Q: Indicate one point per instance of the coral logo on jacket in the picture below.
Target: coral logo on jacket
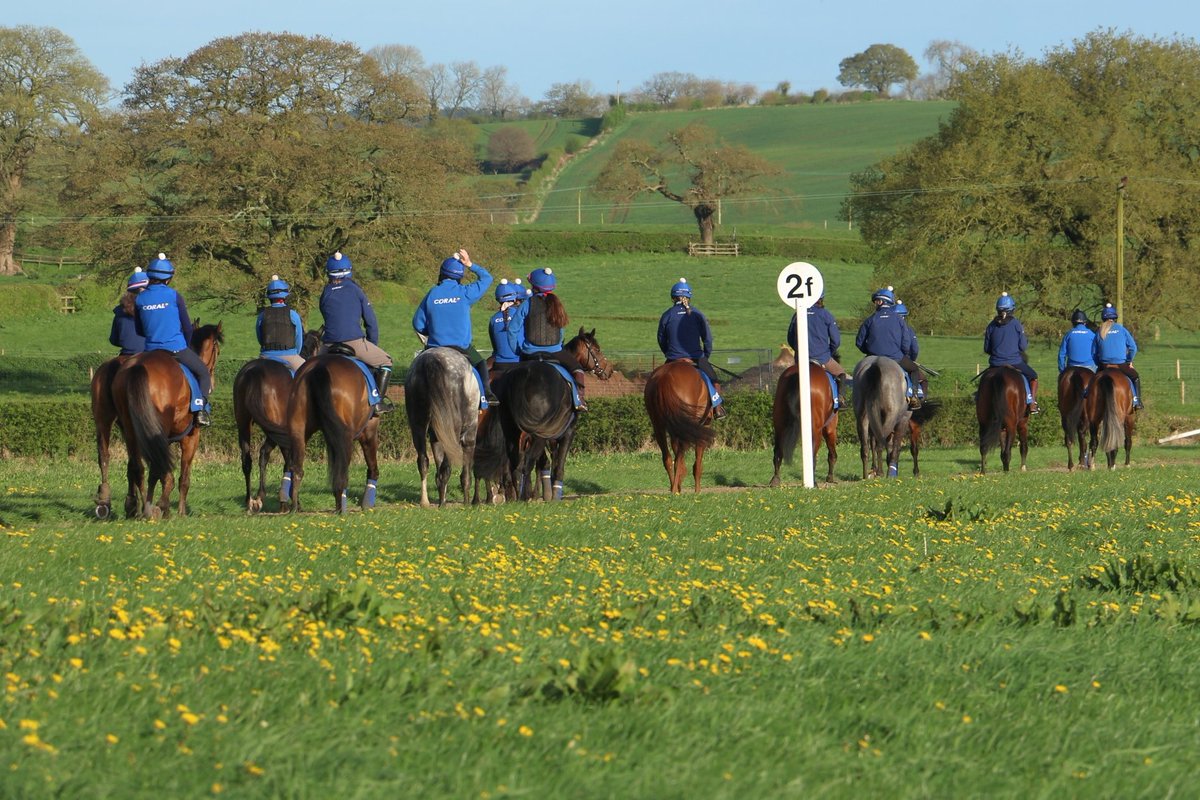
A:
(442, 300)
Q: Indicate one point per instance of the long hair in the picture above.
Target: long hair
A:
(556, 314)
(129, 303)
(1105, 328)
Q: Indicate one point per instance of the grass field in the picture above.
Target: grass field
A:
(949, 636)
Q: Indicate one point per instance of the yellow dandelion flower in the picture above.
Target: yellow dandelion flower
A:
(112, 738)
(525, 730)
(1060, 688)
(966, 718)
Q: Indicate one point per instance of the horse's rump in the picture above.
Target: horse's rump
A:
(879, 396)
(441, 393)
(537, 400)
(677, 399)
(260, 393)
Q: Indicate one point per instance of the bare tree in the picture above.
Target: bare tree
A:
(435, 79)
(576, 99)
(47, 89)
(510, 148)
(463, 88)
(399, 59)
(497, 97)
(948, 58)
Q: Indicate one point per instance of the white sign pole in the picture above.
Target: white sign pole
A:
(800, 285)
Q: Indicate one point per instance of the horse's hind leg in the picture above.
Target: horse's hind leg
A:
(187, 452)
(244, 447)
(103, 492)
(679, 466)
(1023, 436)
(370, 451)
(698, 466)
(135, 473)
(264, 457)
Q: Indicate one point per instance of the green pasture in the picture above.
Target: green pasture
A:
(955, 635)
(817, 147)
(546, 134)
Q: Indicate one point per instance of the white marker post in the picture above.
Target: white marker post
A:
(800, 286)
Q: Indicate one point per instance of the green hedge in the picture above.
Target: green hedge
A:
(37, 427)
(535, 243)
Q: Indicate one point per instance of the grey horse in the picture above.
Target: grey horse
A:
(882, 412)
(441, 396)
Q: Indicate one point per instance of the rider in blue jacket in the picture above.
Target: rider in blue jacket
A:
(443, 319)
(536, 328)
(824, 339)
(508, 295)
(124, 325)
(1005, 343)
(1115, 347)
(684, 333)
(885, 333)
(278, 327)
(1078, 344)
(346, 310)
(162, 317)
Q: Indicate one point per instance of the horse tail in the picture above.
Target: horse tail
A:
(333, 427)
(786, 417)
(869, 388)
(445, 411)
(989, 435)
(146, 423)
(490, 454)
(683, 421)
(1113, 426)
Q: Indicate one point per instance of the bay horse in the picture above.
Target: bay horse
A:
(681, 415)
(882, 415)
(1073, 384)
(785, 416)
(260, 397)
(330, 394)
(104, 414)
(153, 404)
(441, 397)
(1002, 414)
(535, 400)
(1110, 415)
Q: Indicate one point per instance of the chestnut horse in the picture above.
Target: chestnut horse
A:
(786, 417)
(535, 400)
(330, 394)
(260, 397)
(1002, 414)
(153, 403)
(681, 415)
(1110, 415)
(1073, 385)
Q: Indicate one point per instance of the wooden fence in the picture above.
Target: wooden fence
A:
(714, 249)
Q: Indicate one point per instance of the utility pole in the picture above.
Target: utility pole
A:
(1121, 248)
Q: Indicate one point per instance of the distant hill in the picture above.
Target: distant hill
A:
(817, 146)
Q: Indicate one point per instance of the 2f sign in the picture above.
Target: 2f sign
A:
(800, 285)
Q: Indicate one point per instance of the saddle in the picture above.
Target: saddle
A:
(344, 350)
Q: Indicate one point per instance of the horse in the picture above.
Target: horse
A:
(441, 397)
(153, 404)
(1002, 414)
(882, 414)
(104, 414)
(681, 415)
(260, 397)
(785, 416)
(1073, 386)
(536, 401)
(1110, 415)
(330, 394)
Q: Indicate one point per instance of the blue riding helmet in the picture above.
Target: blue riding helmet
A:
(887, 295)
(1079, 317)
(901, 309)
(138, 280)
(681, 289)
(452, 268)
(1006, 302)
(542, 280)
(507, 292)
(338, 266)
(278, 289)
(160, 268)
(1109, 312)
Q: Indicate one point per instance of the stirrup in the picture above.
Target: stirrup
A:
(492, 400)
(1137, 402)
(719, 412)
(203, 419)
(914, 403)
(384, 406)
(1034, 408)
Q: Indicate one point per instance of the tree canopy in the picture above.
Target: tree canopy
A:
(263, 154)
(1018, 189)
(877, 68)
(691, 167)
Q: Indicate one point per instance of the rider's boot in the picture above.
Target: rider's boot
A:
(1033, 406)
(202, 416)
(919, 392)
(382, 376)
(485, 377)
(719, 411)
(583, 406)
(1137, 392)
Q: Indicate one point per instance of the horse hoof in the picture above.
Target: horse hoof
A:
(154, 513)
(1024, 468)
(103, 510)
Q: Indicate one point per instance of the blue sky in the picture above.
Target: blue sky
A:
(614, 44)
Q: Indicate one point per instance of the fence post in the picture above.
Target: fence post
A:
(1182, 393)
(1177, 369)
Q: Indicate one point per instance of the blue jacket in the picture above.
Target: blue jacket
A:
(444, 315)
(684, 335)
(915, 348)
(502, 348)
(516, 332)
(884, 333)
(163, 319)
(296, 323)
(1004, 343)
(1118, 347)
(344, 306)
(823, 334)
(124, 333)
(1077, 347)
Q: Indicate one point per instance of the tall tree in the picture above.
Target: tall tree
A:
(576, 99)
(1018, 189)
(712, 169)
(877, 68)
(48, 90)
(262, 154)
(948, 59)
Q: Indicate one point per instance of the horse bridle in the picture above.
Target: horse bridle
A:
(596, 368)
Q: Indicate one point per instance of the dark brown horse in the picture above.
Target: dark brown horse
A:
(104, 414)
(1073, 385)
(785, 415)
(1110, 415)
(330, 394)
(681, 415)
(153, 403)
(260, 397)
(1002, 414)
(536, 401)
